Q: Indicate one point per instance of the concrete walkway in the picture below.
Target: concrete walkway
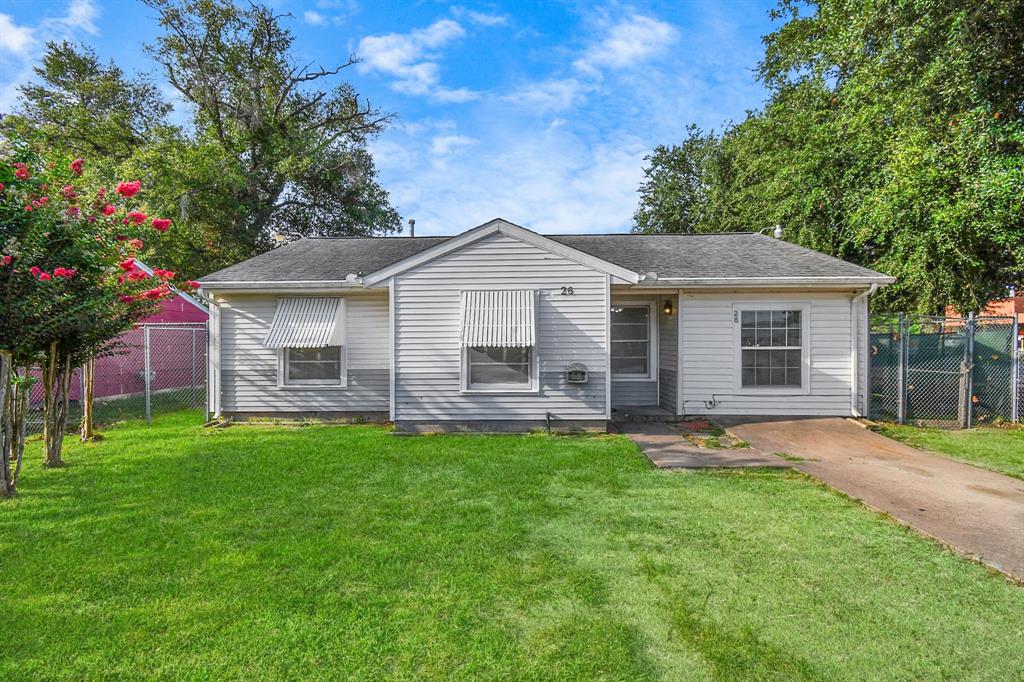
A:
(978, 512)
(667, 449)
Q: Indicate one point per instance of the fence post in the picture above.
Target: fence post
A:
(1015, 371)
(901, 370)
(148, 372)
(966, 406)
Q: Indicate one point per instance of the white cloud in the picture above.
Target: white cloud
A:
(314, 18)
(13, 38)
(627, 42)
(80, 16)
(442, 145)
(552, 180)
(27, 44)
(549, 96)
(480, 18)
(409, 57)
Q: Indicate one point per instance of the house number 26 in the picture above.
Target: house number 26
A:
(567, 291)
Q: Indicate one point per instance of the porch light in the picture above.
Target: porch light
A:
(668, 307)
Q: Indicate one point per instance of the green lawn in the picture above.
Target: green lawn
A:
(274, 552)
(999, 449)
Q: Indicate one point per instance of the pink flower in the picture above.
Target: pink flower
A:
(91, 219)
(101, 194)
(76, 166)
(21, 171)
(68, 191)
(1, 187)
(135, 244)
(28, 207)
(137, 217)
(34, 271)
(109, 209)
(156, 292)
(163, 274)
(136, 275)
(73, 211)
(64, 272)
(126, 299)
(129, 189)
(161, 224)
(44, 277)
(127, 264)
(7, 259)
(192, 284)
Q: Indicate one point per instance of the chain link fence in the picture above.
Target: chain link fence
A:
(156, 368)
(947, 371)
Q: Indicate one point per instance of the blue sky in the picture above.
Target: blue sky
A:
(538, 112)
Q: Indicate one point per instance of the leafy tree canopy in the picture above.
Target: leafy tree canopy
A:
(892, 136)
(265, 145)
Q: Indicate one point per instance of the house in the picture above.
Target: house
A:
(1010, 307)
(503, 328)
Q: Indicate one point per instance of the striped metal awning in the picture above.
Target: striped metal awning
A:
(306, 323)
(503, 318)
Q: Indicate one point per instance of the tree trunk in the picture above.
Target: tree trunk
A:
(56, 385)
(88, 385)
(18, 415)
(6, 427)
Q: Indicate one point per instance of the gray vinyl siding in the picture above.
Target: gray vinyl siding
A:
(249, 369)
(668, 351)
(428, 354)
(709, 358)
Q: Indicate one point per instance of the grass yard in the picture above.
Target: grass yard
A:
(999, 449)
(282, 552)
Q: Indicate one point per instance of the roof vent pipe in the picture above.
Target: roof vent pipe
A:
(412, 227)
(778, 232)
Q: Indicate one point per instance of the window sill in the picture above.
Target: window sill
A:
(311, 387)
(636, 378)
(500, 391)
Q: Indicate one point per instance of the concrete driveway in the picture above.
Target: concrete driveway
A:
(978, 512)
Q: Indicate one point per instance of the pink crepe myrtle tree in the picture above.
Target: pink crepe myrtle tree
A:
(68, 284)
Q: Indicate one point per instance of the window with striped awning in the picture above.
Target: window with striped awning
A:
(306, 323)
(498, 319)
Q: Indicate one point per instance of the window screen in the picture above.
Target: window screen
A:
(492, 367)
(771, 346)
(313, 365)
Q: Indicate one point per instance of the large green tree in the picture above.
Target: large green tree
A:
(293, 153)
(892, 136)
(264, 144)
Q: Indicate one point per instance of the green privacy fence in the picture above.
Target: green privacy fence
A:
(950, 371)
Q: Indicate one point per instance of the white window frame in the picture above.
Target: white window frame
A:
(282, 372)
(805, 346)
(652, 341)
(532, 387)
(339, 339)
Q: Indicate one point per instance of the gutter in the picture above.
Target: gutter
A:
(856, 378)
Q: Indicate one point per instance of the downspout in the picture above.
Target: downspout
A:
(855, 348)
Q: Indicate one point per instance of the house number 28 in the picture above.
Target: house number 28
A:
(567, 291)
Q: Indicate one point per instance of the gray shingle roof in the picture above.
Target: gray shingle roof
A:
(739, 254)
(733, 254)
(323, 259)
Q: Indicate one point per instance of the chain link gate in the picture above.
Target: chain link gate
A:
(157, 368)
(947, 371)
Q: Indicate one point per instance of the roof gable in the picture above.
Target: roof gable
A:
(501, 226)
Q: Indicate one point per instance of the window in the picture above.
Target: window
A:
(493, 368)
(771, 345)
(313, 366)
(631, 341)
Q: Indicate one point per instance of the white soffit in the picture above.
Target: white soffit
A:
(502, 318)
(306, 323)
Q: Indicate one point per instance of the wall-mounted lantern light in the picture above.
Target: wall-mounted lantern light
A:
(668, 307)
